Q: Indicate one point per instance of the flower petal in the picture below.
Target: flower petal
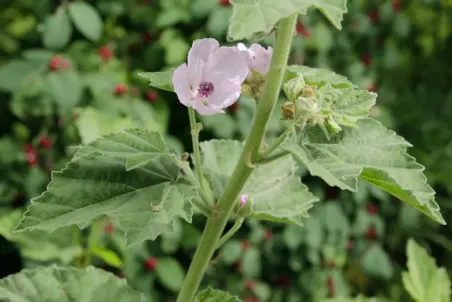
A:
(198, 56)
(228, 63)
(181, 84)
(202, 109)
(225, 94)
(262, 58)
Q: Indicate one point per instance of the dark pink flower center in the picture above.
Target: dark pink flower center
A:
(205, 89)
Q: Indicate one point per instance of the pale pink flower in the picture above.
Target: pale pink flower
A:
(256, 57)
(243, 199)
(211, 81)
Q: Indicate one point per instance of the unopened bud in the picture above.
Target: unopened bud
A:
(243, 199)
(308, 105)
(309, 91)
(245, 206)
(287, 111)
(294, 88)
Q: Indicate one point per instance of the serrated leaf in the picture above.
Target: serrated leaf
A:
(214, 295)
(57, 30)
(53, 246)
(124, 176)
(369, 151)
(318, 76)
(65, 88)
(275, 192)
(424, 281)
(161, 80)
(65, 284)
(254, 16)
(87, 20)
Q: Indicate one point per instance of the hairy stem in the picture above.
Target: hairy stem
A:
(220, 214)
(274, 145)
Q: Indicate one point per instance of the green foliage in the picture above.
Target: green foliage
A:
(371, 152)
(424, 281)
(57, 30)
(255, 16)
(213, 295)
(130, 176)
(160, 80)
(86, 19)
(275, 192)
(60, 284)
(170, 273)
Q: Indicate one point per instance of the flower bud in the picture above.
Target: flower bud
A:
(309, 91)
(287, 111)
(245, 206)
(294, 87)
(307, 105)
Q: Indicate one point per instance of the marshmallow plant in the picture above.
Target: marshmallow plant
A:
(134, 178)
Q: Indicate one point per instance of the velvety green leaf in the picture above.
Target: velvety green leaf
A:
(50, 246)
(376, 263)
(87, 20)
(57, 30)
(254, 16)
(214, 295)
(275, 192)
(251, 263)
(371, 152)
(170, 273)
(161, 80)
(128, 176)
(65, 88)
(424, 281)
(66, 284)
(16, 73)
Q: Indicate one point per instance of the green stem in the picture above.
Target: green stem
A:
(273, 157)
(230, 233)
(274, 145)
(195, 142)
(250, 154)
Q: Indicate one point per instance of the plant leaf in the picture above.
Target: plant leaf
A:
(369, 151)
(214, 295)
(424, 281)
(57, 30)
(87, 20)
(253, 16)
(275, 192)
(129, 176)
(65, 284)
(376, 263)
(54, 246)
(170, 273)
(65, 88)
(161, 80)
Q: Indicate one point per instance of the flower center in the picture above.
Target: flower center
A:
(205, 89)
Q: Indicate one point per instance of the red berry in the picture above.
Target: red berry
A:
(250, 285)
(27, 147)
(367, 60)
(268, 235)
(109, 228)
(32, 157)
(372, 209)
(45, 143)
(302, 30)
(224, 2)
(330, 286)
(371, 233)
(105, 53)
(151, 95)
(396, 5)
(374, 16)
(245, 245)
(147, 38)
(120, 89)
(55, 63)
(151, 263)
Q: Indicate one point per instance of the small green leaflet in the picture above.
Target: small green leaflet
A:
(129, 176)
(214, 295)
(66, 284)
(253, 16)
(161, 80)
(424, 281)
(276, 193)
(87, 20)
(57, 30)
(369, 151)
(50, 246)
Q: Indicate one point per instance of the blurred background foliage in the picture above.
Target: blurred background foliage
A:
(68, 74)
